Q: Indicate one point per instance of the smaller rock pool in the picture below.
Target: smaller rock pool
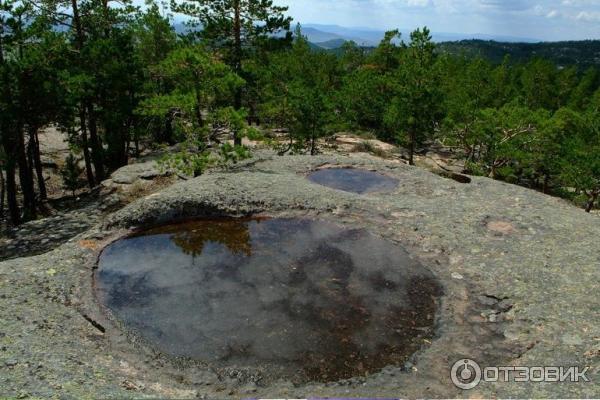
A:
(354, 180)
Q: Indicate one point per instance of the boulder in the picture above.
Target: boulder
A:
(129, 174)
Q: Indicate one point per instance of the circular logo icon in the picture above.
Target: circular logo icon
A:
(466, 374)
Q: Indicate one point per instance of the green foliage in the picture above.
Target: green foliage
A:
(367, 147)
(530, 124)
(71, 173)
(367, 87)
(310, 95)
(190, 161)
(274, 81)
(239, 29)
(194, 161)
(198, 81)
(154, 36)
(581, 53)
(538, 80)
(584, 91)
(231, 154)
(414, 110)
(115, 75)
(256, 135)
(196, 156)
(232, 120)
(352, 57)
(385, 56)
(363, 98)
(254, 19)
(579, 164)
(300, 85)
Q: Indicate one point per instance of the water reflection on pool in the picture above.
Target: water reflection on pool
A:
(304, 300)
(354, 180)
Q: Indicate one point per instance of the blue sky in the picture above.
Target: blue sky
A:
(537, 19)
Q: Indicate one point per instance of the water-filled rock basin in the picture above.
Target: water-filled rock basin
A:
(297, 298)
(354, 180)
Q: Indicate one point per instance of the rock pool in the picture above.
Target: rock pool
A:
(305, 300)
(353, 180)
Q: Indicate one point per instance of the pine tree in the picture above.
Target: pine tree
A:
(71, 173)
(312, 84)
(198, 80)
(414, 110)
(21, 36)
(236, 27)
(154, 38)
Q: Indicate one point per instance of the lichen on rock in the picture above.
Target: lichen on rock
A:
(528, 265)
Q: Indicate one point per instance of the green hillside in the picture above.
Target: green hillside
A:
(582, 53)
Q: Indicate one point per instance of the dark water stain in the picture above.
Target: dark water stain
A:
(304, 300)
(354, 180)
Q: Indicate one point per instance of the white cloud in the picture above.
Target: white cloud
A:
(580, 3)
(418, 3)
(588, 16)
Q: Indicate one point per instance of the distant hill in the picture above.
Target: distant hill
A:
(317, 36)
(331, 44)
(371, 37)
(368, 37)
(584, 53)
(361, 36)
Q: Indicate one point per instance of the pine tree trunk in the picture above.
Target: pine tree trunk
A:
(106, 12)
(126, 150)
(126, 142)
(237, 34)
(546, 184)
(97, 150)
(86, 150)
(168, 130)
(2, 192)
(25, 178)
(198, 108)
(86, 106)
(6, 135)
(11, 193)
(591, 201)
(411, 149)
(237, 37)
(77, 24)
(36, 160)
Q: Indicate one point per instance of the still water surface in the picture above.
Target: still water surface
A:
(301, 299)
(354, 180)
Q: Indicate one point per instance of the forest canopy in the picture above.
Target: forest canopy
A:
(112, 76)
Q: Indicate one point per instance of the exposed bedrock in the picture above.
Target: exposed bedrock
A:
(520, 273)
